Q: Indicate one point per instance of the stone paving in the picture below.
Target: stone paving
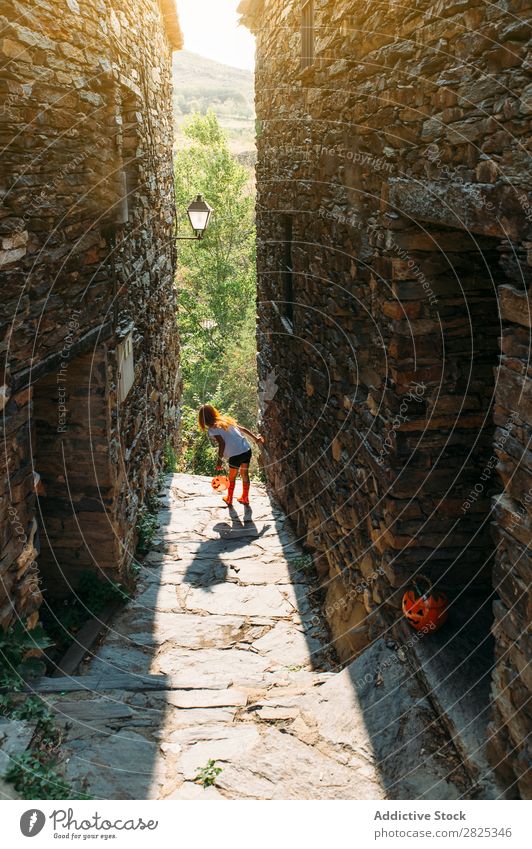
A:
(225, 612)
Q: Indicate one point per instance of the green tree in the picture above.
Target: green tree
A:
(217, 286)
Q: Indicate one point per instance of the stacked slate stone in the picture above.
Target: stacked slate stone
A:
(512, 680)
(86, 257)
(394, 198)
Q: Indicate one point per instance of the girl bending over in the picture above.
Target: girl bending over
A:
(232, 446)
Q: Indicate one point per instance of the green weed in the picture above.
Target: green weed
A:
(15, 666)
(170, 457)
(35, 773)
(34, 776)
(301, 563)
(146, 528)
(208, 774)
(65, 618)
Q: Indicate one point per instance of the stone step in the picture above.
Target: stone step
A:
(85, 638)
(100, 683)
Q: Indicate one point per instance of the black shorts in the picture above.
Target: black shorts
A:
(240, 460)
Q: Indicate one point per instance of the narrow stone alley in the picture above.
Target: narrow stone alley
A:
(222, 656)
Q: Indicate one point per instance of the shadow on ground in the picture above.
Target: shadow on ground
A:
(231, 661)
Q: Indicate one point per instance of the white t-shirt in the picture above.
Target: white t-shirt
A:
(235, 443)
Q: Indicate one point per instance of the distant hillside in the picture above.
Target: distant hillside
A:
(201, 84)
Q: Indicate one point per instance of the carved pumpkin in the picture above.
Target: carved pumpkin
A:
(425, 610)
(220, 483)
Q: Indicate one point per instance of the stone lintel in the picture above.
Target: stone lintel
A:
(29, 376)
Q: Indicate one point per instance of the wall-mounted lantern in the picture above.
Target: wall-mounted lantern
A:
(199, 214)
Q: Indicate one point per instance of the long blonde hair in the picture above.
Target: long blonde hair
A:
(209, 416)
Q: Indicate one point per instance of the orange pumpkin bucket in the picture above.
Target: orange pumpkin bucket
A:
(425, 609)
(220, 483)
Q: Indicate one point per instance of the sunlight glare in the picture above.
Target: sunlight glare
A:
(210, 28)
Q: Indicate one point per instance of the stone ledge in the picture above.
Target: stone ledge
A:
(514, 306)
(30, 375)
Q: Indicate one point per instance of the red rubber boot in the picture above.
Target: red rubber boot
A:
(229, 497)
(245, 494)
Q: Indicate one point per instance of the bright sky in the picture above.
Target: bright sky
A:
(210, 28)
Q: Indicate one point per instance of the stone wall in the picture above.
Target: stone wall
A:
(394, 213)
(86, 257)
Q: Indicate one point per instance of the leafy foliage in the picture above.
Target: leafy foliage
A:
(197, 454)
(217, 276)
(170, 458)
(217, 283)
(97, 593)
(64, 619)
(15, 665)
(6, 704)
(302, 563)
(35, 776)
(208, 774)
(31, 708)
(146, 528)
